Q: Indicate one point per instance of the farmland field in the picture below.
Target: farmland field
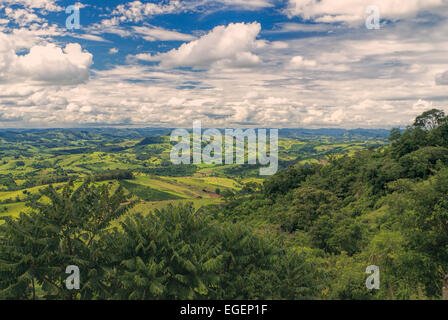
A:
(34, 159)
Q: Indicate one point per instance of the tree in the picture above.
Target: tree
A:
(411, 140)
(430, 119)
(422, 214)
(306, 206)
(424, 162)
(283, 181)
(395, 134)
(166, 255)
(179, 253)
(62, 229)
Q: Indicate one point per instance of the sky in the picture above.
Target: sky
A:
(228, 63)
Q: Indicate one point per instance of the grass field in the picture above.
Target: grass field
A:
(146, 193)
(27, 158)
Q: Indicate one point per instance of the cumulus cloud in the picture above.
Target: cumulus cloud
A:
(229, 46)
(22, 17)
(7, 54)
(354, 11)
(136, 11)
(44, 63)
(29, 36)
(300, 62)
(52, 64)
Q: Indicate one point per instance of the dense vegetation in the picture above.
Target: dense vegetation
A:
(308, 232)
(386, 206)
(175, 253)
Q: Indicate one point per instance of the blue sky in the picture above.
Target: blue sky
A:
(228, 63)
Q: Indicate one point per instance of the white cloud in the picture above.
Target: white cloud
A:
(29, 36)
(300, 62)
(22, 17)
(226, 45)
(7, 55)
(52, 64)
(136, 11)
(46, 5)
(44, 63)
(239, 60)
(113, 50)
(354, 11)
(152, 33)
(111, 26)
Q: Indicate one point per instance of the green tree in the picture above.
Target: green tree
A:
(179, 253)
(62, 229)
(430, 119)
(422, 214)
(306, 206)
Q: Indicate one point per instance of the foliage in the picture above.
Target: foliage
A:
(63, 229)
(308, 232)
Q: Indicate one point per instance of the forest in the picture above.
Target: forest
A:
(307, 232)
